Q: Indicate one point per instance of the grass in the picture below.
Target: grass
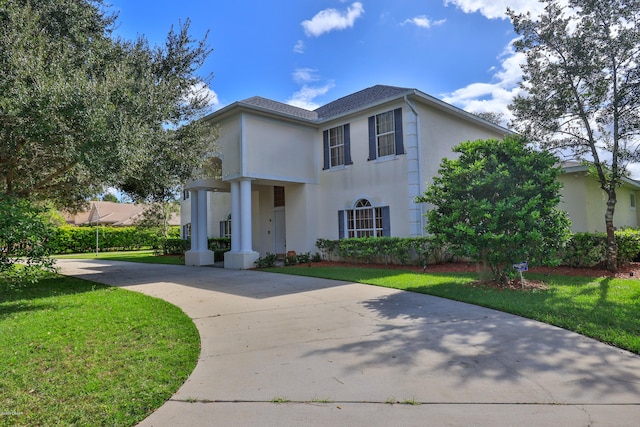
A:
(74, 352)
(602, 308)
(147, 256)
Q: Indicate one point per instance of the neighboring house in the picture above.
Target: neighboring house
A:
(112, 214)
(586, 202)
(349, 168)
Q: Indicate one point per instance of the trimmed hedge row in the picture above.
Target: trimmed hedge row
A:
(69, 239)
(219, 245)
(582, 249)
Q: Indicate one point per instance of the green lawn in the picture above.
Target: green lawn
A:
(602, 308)
(74, 352)
(132, 256)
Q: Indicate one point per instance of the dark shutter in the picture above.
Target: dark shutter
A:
(372, 138)
(397, 118)
(347, 144)
(325, 148)
(340, 224)
(386, 221)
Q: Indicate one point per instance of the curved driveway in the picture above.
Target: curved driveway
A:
(338, 353)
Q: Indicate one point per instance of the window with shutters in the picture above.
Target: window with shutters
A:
(337, 147)
(225, 227)
(364, 220)
(385, 134)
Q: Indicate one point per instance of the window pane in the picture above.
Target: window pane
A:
(385, 134)
(278, 196)
(337, 155)
(384, 122)
(336, 145)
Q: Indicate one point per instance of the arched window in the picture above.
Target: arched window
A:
(364, 220)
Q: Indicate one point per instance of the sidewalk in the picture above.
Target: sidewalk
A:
(338, 354)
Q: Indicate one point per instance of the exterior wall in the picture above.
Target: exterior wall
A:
(585, 202)
(230, 145)
(382, 181)
(277, 150)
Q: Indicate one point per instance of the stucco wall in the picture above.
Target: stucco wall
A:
(585, 202)
(278, 150)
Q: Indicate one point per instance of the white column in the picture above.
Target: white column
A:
(235, 216)
(241, 256)
(195, 225)
(245, 216)
(199, 253)
(203, 243)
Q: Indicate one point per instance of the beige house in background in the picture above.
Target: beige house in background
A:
(349, 168)
(112, 214)
(586, 202)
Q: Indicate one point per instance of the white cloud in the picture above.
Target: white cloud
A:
(305, 75)
(305, 96)
(495, 96)
(299, 47)
(423, 22)
(203, 91)
(331, 19)
(496, 9)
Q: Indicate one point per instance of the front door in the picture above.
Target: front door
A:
(279, 232)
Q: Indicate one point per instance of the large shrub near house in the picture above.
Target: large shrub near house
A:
(497, 205)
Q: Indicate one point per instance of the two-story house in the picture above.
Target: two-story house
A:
(349, 168)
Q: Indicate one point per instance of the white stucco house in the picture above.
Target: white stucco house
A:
(349, 168)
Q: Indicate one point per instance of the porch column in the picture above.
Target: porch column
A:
(235, 216)
(203, 241)
(199, 253)
(195, 224)
(242, 256)
(245, 216)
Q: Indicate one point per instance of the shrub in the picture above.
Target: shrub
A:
(267, 261)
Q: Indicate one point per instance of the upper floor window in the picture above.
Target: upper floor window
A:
(364, 220)
(337, 146)
(385, 134)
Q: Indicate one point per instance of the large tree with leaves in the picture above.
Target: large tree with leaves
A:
(497, 203)
(582, 89)
(81, 109)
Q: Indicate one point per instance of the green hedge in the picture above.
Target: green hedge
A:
(385, 250)
(219, 245)
(69, 239)
(582, 249)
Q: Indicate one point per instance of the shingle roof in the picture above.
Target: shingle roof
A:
(361, 99)
(269, 104)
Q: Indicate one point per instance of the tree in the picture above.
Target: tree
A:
(582, 89)
(156, 216)
(82, 110)
(25, 230)
(492, 117)
(110, 197)
(497, 204)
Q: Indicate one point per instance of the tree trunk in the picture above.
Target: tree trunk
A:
(612, 245)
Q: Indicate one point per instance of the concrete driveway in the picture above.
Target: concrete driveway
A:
(338, 354)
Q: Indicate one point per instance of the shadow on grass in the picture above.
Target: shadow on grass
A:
(47, 287)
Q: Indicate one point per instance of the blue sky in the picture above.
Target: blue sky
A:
(310, 52)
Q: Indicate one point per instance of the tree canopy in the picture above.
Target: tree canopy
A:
(582, 88)
(82, 109)
(498, 204)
